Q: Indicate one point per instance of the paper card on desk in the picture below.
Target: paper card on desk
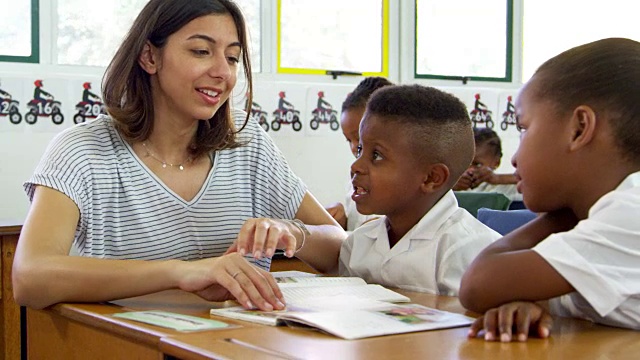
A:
(172, 320)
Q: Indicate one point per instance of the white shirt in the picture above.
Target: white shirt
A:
(600, 258)
(431, 257)
(126, 212)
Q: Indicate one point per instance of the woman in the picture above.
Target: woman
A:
(154, 194)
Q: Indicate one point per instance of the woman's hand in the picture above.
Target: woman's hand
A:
(523, 317)
(261, 237)
(231, 277)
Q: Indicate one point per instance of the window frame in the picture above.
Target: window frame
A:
(35, 39)
(508, 75)
(311, 71)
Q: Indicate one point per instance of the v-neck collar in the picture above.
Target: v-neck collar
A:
(161, 184)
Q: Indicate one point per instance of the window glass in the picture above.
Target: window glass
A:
(333, 35)
(572, 23)
(90, 31)
(19, 31)
(463, 38)
(251, 11)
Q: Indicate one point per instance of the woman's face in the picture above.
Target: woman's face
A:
(194, 73)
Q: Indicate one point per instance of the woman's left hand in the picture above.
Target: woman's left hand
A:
(262, 236)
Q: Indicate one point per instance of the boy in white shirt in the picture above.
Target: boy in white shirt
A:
(415, 142)
(578, 163)
(352, 110)
(480, 176)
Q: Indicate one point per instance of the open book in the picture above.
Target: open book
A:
(297, 289)
(348, 308)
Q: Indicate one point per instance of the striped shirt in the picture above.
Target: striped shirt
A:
(126, 212)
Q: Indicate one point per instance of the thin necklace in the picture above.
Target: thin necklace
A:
(164, 163)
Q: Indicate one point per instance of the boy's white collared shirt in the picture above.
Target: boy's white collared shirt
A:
(600, 258)
(431, 257)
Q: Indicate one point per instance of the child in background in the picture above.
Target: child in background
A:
(352, 110)
(480, 176)
(578, 163)
(415, 142)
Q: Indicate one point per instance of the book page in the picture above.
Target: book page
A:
(296, 281)
(251, 315)
(395, 319)
(292, 273)
(317, 304)
(368, 291)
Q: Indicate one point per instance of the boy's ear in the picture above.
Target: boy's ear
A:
(583, 126)
(436, 178)
(149, 59)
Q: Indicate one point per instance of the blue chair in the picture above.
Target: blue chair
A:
(505, 221)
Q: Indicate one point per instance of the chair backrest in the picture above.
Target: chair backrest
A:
(472, 201)
(505, 221)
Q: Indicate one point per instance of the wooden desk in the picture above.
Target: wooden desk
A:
(10, 311)
(78, 331)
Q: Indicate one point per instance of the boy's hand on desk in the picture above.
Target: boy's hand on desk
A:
(523, 317)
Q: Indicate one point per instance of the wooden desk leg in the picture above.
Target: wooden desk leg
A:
(10, 313)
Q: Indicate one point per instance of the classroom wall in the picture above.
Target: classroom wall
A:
(321, 157)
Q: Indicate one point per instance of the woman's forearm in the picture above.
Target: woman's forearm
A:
(43, 281)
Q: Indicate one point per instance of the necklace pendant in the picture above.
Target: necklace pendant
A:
(164, 165)
(181, 167)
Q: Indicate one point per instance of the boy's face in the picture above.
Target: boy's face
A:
(387, 174)
(350, 123)
(541, 160)
(485, 157)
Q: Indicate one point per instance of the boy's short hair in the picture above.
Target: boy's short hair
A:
(437, 123)
(604, 75)
(361, 94)
(488, 137)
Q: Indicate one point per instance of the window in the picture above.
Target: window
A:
(19, 35)
(572, 23)
(90, 31)
(251, 11)
(464, 38)
(316, 36)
